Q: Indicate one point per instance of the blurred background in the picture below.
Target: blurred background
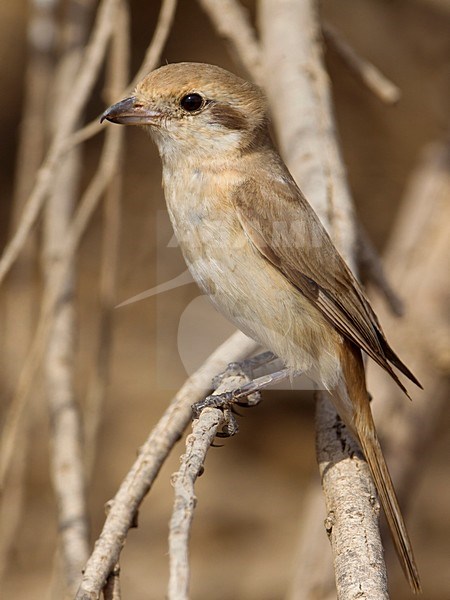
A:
(252, 494)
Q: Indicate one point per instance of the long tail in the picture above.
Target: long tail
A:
(363, 426)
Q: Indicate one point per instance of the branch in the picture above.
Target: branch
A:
(303, 115)
(421, 238)
(198, 443)
(117, 76)
(20, 300)
(352, 509)
(76, 102)
(364, 71)
(150, 62)
(152, 455)
(232, 22)
(87, 205)
(66, 462)
(204, 430)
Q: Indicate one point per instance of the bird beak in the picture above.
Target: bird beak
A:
(130, 111)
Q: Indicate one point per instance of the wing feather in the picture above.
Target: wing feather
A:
(284, 228)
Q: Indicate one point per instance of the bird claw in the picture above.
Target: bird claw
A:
(230, 426)
(246, 395)
(224, 402)
(212, 401)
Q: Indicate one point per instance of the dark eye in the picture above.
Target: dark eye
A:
(191, 102)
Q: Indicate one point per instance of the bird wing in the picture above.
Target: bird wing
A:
(284, 228)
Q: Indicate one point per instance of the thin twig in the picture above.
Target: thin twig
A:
(88, 203)
(153, 53)
(66, 456)
(116, 80)
(204, 430)
(232, 22)
(150, 62)
(420, 237)
(151, 457)
(20, 296)
(81, 89)
(384, 89)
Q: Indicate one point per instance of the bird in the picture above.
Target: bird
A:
(255, 246)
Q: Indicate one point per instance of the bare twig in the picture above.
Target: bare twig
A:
(234, 25)
(88, 203)
(150, 62)
(366, 72)
(81, 89)
(232, 22)
(116, 81)
(417, 258)
(152, 455)
(304, 118)
(20, 297)
(204, 430)
(153, 53)
(67, 469)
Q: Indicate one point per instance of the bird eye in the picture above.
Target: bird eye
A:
(191, 102)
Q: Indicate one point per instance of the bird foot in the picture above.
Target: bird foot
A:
(246, 395)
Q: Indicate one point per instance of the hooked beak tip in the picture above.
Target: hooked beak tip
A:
(129, 112)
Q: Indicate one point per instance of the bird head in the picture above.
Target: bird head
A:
(195, 108)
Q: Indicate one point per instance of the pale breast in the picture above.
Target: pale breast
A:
(243, 285)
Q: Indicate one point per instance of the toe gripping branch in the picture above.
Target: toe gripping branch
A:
(236, 386)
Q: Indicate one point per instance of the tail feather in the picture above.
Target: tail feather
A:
(382, 479)
(359, 419)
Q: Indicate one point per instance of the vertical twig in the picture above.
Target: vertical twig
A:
(20, 295)
(67, 469)
(232, 22)
(81, 88)
(304, 118)
(117, 78)
(204, 430)
(159, 39)
(420, 239)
